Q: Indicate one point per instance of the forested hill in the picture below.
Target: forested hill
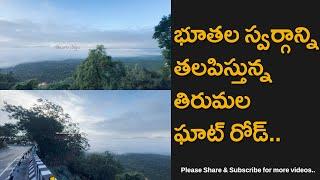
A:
(153, 166)
(53, 71)
(45, 71)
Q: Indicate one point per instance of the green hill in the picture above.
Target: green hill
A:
(45, 71)
(153, 166)
(54, 71)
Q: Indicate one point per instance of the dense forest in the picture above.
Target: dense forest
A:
(153, 166)
(126, 73)
(7, 131)
(46, 71)
(98, 70)
(48, 74)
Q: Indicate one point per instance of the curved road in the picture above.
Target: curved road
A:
(9, 157)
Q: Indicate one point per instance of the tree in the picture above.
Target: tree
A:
(7, 81)
(58, 138)
(96, 166)
(2, 143)
(28, 85)
(64, 84)
(131, 176)
(8, 130)
(163, 35)
(98, 71)
(141, 78)
(8, 133)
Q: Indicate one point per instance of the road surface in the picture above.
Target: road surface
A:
(8, 159)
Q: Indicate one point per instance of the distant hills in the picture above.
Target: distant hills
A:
(153, 166)
(45, 71)
(54, 71)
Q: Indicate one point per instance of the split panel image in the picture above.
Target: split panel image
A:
(87, 134)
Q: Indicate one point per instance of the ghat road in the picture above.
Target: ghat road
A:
(9, 157)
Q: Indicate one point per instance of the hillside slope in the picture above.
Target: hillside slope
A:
(153, 166)
(54, 71)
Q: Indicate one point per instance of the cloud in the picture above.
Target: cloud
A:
(149, 111)
(25, 41)
(119, 121)
(14, 97)
(25, 33)
(71, 103)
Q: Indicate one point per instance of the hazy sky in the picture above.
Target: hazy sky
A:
(30, 30)
(118, 121)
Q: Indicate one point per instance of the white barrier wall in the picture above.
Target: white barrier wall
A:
(37, 169)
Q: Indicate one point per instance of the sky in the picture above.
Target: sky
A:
(116, 121)
(31, 30)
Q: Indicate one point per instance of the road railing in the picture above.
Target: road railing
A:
(37, 169)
